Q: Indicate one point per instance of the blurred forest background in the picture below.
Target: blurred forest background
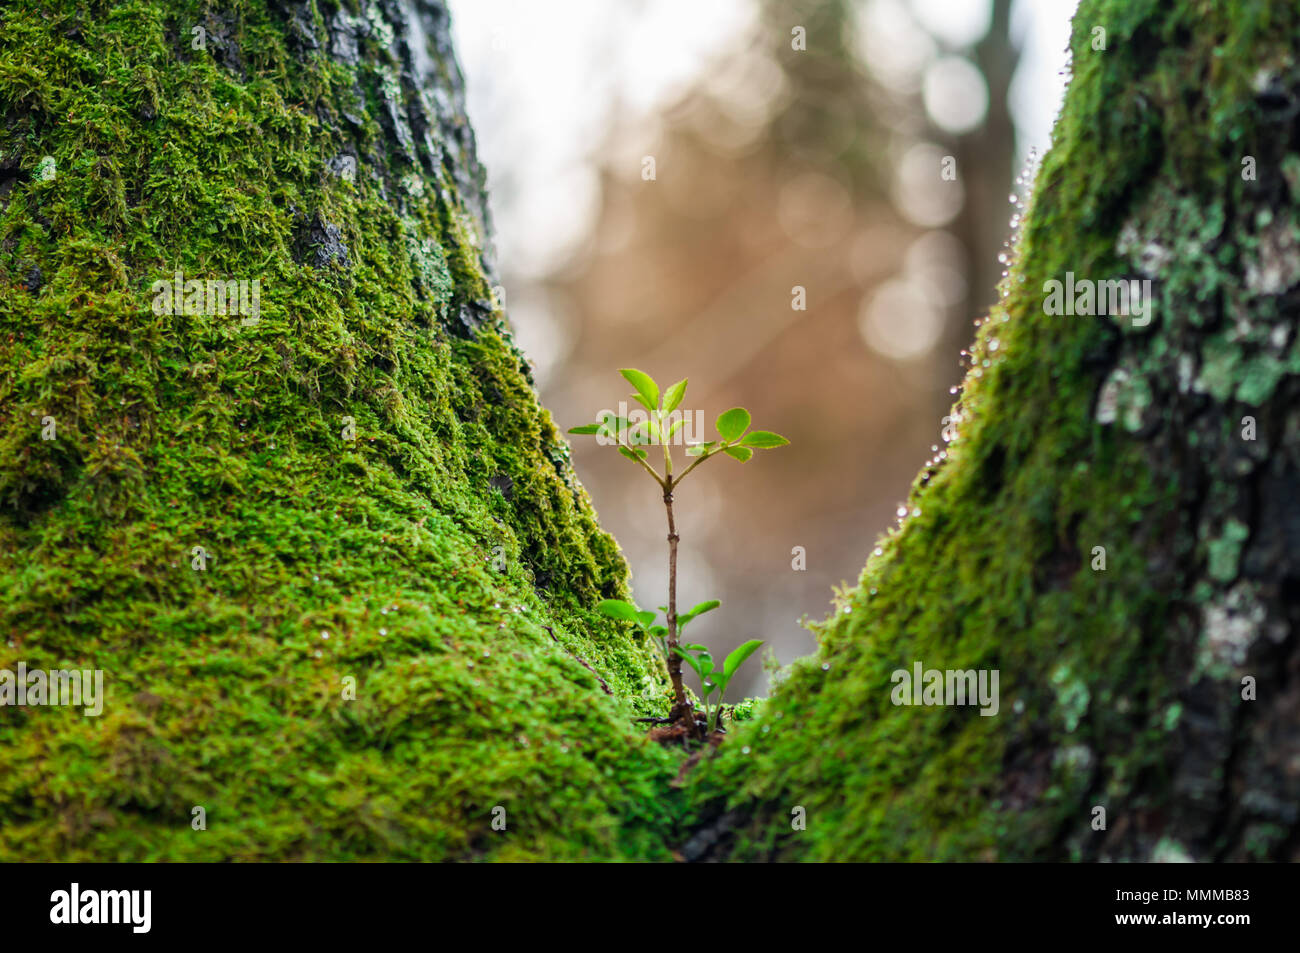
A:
(774, 167)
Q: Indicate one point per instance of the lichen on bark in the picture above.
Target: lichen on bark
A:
(1121, 688)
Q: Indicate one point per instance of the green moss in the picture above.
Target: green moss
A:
(381, 500)
(996, 572)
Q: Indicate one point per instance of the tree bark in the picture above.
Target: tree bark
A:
(1115, 528)
(315, 551)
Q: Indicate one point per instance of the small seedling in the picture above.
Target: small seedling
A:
(711, 678)
(737, 441)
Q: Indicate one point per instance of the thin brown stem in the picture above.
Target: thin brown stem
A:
(648, 469)
(697, 462)
(683, 710)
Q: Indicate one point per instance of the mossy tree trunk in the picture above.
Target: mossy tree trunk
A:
(326, 548)
(1163, 688)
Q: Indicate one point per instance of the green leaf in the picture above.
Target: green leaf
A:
(699, 610)
(614, 422)
(740, 453)
(690, 660)
(632, 454)
(763, 440)
(618, 609)
(585, 429)
(699, 449)
(732, 423)
(641, 433)
(704, 607)
(612, 426)
(738, 656)
(644, 385)
(658, 631)
(640, 399)
(677, 425)
(645, 618)
(673, 397)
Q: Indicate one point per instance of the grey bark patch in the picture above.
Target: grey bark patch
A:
(302, 25)
(320, 244)
(702, 844)
(1278, 265)
(343, 166)
(345, 34)
(469, 317)
(221, 44)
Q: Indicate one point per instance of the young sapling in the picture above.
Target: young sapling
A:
(631, 437)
